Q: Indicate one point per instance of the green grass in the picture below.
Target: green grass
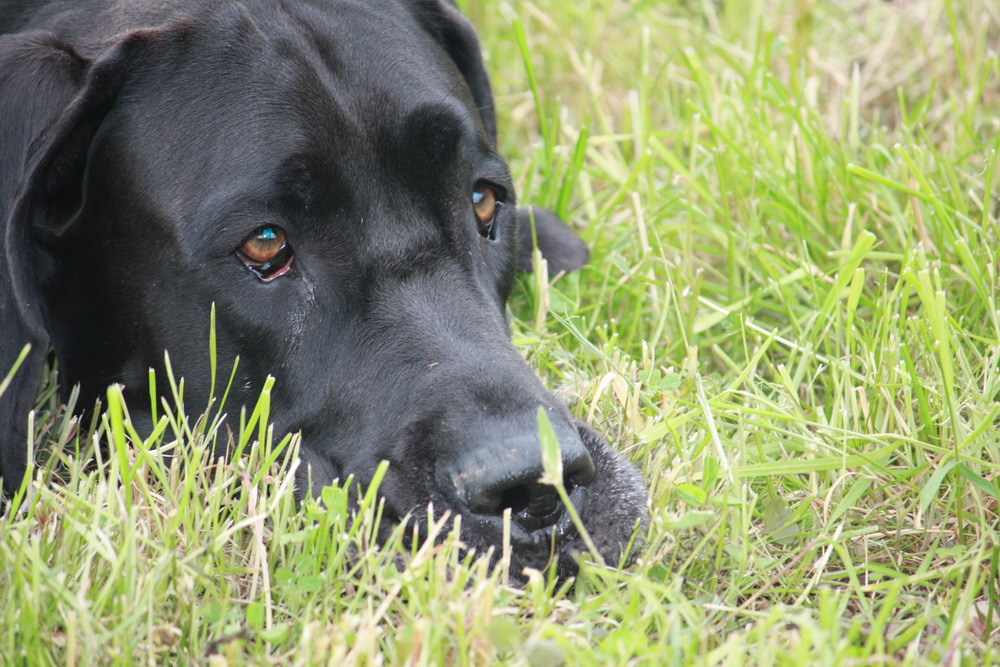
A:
(789, 322)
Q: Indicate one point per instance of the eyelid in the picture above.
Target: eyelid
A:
(499, 190)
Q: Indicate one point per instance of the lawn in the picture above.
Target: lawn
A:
(789, 323)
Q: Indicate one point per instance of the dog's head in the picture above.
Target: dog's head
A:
(328, 178)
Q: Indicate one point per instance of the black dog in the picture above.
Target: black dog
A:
(325, 173)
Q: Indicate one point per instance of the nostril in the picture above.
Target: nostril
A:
(532, 505)
(535, 505)
(536, 500)
(543, 502)
(516, 498)
(502, 472)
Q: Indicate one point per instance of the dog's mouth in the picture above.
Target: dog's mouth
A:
(534, 528)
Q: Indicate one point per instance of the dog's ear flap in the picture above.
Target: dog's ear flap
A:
(52, 191)
(562, 249)
(454, 32)
(39, 76)
(52, 102)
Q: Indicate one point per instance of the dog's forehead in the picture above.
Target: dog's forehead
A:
(363, 69)
(284, 98)
(337, 62)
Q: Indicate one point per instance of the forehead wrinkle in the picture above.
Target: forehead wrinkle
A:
(357, 55)
(350, 55)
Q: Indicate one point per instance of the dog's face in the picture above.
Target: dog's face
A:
(329, 181)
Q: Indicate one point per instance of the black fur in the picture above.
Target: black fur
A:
(142, 142)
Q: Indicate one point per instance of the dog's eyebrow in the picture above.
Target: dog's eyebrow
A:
(295, 175)
(305, 179)
(434, 131)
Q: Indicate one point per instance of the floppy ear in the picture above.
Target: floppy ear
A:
(454, 32)
(38, 77)
(52, 102)
(562, 249)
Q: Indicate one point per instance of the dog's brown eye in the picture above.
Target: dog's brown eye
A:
(264, 244)
(266, 252)
(485, 202)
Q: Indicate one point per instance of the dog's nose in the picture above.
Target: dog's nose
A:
(505, 470)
